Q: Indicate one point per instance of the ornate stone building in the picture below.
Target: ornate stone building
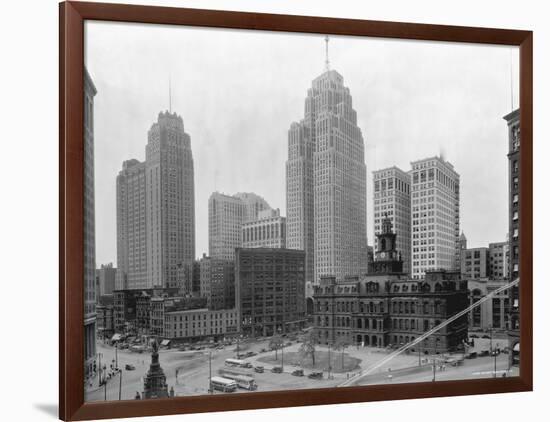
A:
(388, 308)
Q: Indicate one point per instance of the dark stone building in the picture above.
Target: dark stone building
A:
(387, 308)
(270, 290)
(514, 138)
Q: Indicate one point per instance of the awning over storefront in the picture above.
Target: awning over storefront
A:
(165, 342)
(116, 337)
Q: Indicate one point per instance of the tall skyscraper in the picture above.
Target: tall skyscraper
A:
(326, 182)
(170, 216)
(226, 216)
(435, 216)
(89, 227)
(392, 199)
(156, 209)
(131, 227)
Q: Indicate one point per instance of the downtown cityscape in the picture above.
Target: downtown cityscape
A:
(295, 295)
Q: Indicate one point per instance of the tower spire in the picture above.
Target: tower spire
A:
(327, 63)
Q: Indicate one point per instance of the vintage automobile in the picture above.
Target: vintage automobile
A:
(316, 375)
(298, 372)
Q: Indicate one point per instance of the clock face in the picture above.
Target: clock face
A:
(383, 255)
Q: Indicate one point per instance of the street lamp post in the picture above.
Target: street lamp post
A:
(120, 385)
(329, 365)
(282, 357)
(210, 373)
(116, 354)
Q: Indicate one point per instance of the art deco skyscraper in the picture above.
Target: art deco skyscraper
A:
(326, 182)
(435, 216)
(170, 200)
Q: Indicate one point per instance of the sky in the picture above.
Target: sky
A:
(239, 91)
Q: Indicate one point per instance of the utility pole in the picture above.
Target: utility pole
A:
(116, 354)
(100, 368)
(105, 384)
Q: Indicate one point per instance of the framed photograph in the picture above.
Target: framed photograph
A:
(256, 205)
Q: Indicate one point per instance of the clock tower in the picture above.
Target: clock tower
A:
(386, 258)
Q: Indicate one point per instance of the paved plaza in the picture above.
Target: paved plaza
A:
(188, 371)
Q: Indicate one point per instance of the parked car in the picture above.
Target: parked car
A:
(289, 343)
(298, 372)
(129, 367)
(495, 352)
(277, 369)
(486, 336)
(484, 353)
(316, 375)
(263, 350)
(259, 369)
(471, 355)
(246, 365)
(474, 336)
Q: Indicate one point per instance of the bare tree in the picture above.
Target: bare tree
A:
(276, 343)
(307, 348)
(341, 345)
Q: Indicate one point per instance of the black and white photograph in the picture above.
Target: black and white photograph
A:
(270, 211)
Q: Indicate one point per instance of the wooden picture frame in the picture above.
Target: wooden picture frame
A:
(72, 16)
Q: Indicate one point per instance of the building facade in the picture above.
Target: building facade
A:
(105, 277)
(170, 213)
(387, 307)
(435, 190)
(514, 138)
(131, 226)
(225, 218)
(89, 228)
(267, 231)
(270, 290)
(217, 282)
(156, 209)
(498, 260)
(475, 263)
(326, 182)
(197, 324)
(392, 199)
(493, 313)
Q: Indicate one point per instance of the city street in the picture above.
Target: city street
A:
(192, 368)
